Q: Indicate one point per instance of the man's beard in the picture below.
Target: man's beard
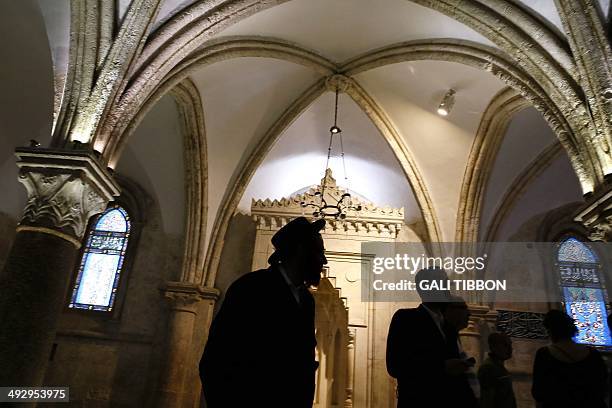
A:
(312, 278)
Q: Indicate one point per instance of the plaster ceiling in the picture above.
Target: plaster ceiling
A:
(299, 157)
(342, 29)
(527, 135)
(154, 159)
(410, 93)
(242, 98)
(547, 10)
(543, 194)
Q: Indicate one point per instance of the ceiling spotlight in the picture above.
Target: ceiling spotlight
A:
(447, 103)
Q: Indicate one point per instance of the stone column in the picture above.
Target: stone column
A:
(350, 368)
(64, 189)
(184, 300)
(472, 336)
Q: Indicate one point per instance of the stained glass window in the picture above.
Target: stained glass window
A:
(98, 276)
(583, 291)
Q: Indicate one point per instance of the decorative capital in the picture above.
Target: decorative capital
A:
(340, 82)
(185, 296)
(65, 188)
(596, 216)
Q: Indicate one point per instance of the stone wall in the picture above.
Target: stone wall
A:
(114, 360)
(237, 254)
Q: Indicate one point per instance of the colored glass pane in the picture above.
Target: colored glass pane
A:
(102, 260)
(113, 220)
(583, 292)
(588, 309)
(572, 250)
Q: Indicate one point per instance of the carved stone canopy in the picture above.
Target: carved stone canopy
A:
(275, 213)
(65, 188)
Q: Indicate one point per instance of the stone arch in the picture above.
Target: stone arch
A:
(191, 112)
(495, 62)
(485, 147)
(384, 126)
(464, 52)
(529, 43)
(245, 47)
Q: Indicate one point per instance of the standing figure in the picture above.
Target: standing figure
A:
(462, 387)
(495, 380)
(417, 348)
(567, 374)
(261, 346)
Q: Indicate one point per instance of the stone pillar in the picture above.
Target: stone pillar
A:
(350, 368)
(64, 189)
(472, 336)
(184, 302)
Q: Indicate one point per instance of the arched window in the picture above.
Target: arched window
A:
(102, 259)
(583, 290)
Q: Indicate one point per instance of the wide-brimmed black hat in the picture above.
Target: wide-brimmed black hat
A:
(293, 233)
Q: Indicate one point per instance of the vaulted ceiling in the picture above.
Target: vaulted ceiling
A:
(244, 97)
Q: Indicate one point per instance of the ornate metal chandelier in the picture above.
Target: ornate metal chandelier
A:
(323, 202)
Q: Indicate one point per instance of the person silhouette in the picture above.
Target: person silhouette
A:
(417, 351)
(261, 345)
(495, 380)
(567, 374)
(463, 387)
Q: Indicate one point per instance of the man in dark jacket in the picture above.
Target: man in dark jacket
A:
(261, 346)
(462, 387)
(417, 351)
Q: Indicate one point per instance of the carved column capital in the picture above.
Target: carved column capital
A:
(596, 216)
(65, 188)
(184, 296)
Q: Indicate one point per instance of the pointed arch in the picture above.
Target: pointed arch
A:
(534, 46)
(479, 167)
(191, 112)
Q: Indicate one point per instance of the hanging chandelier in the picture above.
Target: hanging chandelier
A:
(323, 203)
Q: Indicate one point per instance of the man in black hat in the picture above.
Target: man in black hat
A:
(261, 346)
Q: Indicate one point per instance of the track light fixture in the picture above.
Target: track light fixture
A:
(447, 103)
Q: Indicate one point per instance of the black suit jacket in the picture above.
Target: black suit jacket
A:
(416, 350)
(261, 345)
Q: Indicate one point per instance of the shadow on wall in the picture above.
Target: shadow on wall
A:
(237, 254)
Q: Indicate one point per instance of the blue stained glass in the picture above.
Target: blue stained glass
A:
(587, 308)
(114, 220)
(583, 292)
(572, 250)
(100, 268)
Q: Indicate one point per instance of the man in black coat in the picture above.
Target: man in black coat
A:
(261, 346)
(417, 351)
